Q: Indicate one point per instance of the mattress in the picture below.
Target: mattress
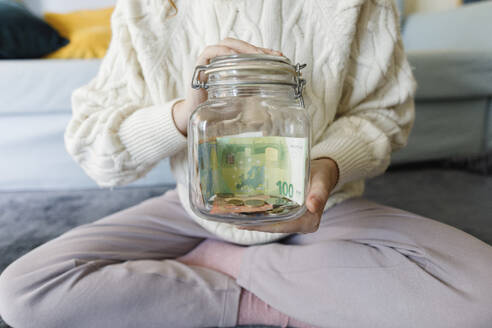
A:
(34, 111)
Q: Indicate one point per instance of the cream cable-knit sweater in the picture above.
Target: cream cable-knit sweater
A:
(359, 92)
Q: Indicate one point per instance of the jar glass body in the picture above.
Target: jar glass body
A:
(249, 155)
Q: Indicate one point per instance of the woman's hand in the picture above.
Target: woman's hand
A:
(324, 175)
(183, 109)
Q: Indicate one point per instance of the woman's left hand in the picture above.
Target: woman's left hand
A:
(324, 174)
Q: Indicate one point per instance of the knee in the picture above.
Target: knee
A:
(481, 307)
(9, 295)
(477, 303)
(476, 314)
(16, 303)
(480, 287)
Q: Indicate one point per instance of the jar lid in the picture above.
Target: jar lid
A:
(249, 69)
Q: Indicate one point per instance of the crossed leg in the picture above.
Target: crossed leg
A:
(368, 265)
(120, 272)
(374, 266)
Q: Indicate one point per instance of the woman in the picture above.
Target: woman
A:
(355, 264)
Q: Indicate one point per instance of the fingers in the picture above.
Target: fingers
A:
(272, 52)
(241, 46)
(318, 193)
(247, 48)
(321, 185)
(231, 46)
(213, 51)
(324, 173)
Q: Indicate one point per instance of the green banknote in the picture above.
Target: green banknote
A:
(246, 166)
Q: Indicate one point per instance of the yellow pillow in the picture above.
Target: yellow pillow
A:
(89, 32)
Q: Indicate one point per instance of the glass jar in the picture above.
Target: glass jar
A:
(249, 143)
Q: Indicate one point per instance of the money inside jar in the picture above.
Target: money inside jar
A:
(245, 175)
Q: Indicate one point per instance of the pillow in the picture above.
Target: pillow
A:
(89, 32)
(23, 35)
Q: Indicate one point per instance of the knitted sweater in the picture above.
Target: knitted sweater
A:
(359, 93)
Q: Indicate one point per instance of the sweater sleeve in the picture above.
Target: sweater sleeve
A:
(376, 110)
(117, 134)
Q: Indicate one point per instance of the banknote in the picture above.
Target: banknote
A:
(246, 165)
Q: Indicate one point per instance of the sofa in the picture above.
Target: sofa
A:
(34, 111)
(451, 53)
(43, 192)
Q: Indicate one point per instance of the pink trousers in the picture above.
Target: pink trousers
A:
(367, 266)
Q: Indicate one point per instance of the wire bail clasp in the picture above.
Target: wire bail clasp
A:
(195, 82)
(301, 83)
(298, 84)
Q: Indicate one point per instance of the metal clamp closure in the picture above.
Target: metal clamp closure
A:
(299, 81)
(195, 82)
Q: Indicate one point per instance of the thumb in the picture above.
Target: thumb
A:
(321, 186)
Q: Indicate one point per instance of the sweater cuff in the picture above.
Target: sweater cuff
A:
(350, 154)
(150, 134)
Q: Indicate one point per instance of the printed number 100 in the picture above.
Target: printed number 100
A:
(285, 189)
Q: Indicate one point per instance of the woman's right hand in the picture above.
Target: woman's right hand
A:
(183, 109)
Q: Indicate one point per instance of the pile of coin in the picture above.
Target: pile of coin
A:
(257, 205)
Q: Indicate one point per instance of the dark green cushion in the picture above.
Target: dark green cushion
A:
(23, 35)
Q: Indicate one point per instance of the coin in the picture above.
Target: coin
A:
(273, 200)
(225, 195)
(254, 203)
(277, 210)
(288, 200)
(283, 209)
(292, 207)
(235, 201)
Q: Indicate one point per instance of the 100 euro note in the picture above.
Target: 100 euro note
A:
(246, 166)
